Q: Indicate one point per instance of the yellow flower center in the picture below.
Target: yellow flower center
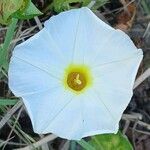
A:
(77, 78)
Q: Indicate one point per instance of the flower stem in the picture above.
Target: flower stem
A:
(73, 145)
(85, 145)
(4, 50)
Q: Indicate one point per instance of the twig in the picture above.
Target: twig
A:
(143, 132)
(40, 142)
(144, 124)
(133, 133)
(133, 117)
(127, 123)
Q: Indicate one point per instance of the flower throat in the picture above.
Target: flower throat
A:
(77, 78)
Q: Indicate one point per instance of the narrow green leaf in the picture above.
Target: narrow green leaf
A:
(111, 142)
(146, 6)
(4, 51)
(4, 102)
(9, 34)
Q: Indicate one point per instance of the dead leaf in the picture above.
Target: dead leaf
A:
(126, 17)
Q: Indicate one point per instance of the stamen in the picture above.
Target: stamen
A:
(77, 80)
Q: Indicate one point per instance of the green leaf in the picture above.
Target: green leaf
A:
(62, 5)
(7, 9)
(111, 142)
(28, 13)
(4, 102)
(24, 6)
(21, 9)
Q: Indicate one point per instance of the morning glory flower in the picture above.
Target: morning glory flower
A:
(75, 76)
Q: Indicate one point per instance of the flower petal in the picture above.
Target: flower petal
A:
(25, 78)
(90, 36)
(41, 51)
(63, 28)
(54, 111)
(96, 42)
(97, 117)
(114, 83)
(68, 123)
(118, 73)
(118, 47)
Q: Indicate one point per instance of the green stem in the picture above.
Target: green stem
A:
(9, 36)
(85, 145)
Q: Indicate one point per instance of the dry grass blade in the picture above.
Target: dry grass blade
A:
(38, 22)
(12, 143)
(10, 113)
(91, 4)
(16, 130)
(4, 142)
(66, 146)
(16, 120)
(141, 78)
(147, 31)
(44, 146)
(40, 142)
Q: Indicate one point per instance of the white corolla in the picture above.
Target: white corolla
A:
(75, 76)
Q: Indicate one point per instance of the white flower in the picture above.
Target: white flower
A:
(75, 76)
